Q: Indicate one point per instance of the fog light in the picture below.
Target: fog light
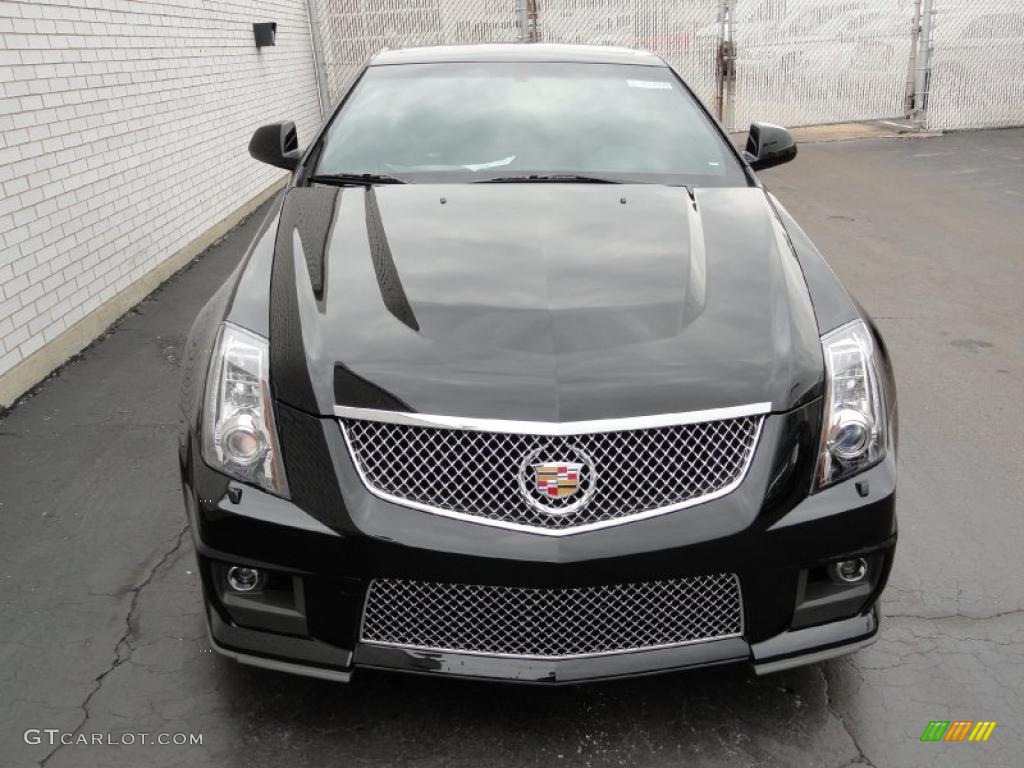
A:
(850, 571)
(243, 579)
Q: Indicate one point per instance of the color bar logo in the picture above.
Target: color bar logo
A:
(958, 730)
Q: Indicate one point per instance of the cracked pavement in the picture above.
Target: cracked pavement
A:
(101, 628)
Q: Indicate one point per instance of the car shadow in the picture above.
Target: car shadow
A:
(713, 716)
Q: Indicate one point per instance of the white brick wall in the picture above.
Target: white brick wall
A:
(124, 127)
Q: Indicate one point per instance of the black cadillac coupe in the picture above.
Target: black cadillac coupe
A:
(527, 377)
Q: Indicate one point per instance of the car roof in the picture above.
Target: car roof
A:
(541, 52)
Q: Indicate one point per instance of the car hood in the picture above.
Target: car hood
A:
(532, 301)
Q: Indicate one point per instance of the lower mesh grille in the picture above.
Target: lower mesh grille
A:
(575, 621)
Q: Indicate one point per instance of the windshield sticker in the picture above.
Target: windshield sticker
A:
(492, 164)
(655, 84)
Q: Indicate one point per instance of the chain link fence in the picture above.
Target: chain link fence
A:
(686, 34)
(976, 77)
(804, 62)
(947, 63)
(348, 32)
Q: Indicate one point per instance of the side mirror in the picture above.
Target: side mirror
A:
(768, 145)
(276, 144)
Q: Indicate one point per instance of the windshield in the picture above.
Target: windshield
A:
(487, 121)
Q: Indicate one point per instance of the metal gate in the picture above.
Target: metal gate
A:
(686, 33)
(348, 32)
(804, 62)
(976, 77)
(949, 63)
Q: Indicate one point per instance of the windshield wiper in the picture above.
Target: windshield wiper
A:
(563, 178)
(342, 179)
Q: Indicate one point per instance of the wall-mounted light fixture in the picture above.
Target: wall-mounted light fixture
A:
(264, 32)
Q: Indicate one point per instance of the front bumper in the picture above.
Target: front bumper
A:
(791, 649)
(308, 618)
(790, 617)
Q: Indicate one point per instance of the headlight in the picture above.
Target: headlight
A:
(239, 435)
(853, 429)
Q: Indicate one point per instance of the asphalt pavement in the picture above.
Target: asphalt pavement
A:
(101, 629)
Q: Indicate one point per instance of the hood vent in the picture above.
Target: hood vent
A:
(388, 281)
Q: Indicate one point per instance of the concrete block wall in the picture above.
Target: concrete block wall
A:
(124, 127)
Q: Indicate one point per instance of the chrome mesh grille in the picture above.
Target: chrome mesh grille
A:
(574, 621)
(484, 474)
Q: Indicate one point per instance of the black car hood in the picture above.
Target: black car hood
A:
(547, 302)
